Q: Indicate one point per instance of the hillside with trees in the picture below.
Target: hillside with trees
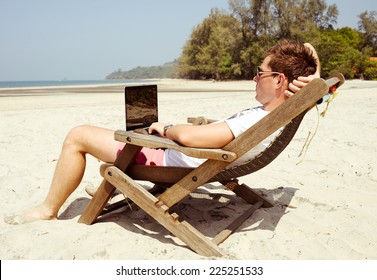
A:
(168, 70)
(231, 44)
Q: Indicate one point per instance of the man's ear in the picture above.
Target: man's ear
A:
(281, 79)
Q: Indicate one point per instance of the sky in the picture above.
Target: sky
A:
(89, 39)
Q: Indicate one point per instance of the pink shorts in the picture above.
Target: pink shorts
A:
(147, 156)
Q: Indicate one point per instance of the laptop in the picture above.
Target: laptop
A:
(141, 106)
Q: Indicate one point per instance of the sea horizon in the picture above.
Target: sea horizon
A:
(58, 83)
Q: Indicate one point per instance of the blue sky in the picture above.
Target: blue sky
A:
(88, 39)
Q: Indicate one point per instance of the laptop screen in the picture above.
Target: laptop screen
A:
(140, 106)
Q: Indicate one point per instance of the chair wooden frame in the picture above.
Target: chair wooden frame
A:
(122, 175)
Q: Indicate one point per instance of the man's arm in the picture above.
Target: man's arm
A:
(197, 136)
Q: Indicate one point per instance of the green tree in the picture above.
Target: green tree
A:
(368, 25)
(213, 49)
(285, 14)
(231, 45)
(265, 22)
(318, 13)
(339, 51)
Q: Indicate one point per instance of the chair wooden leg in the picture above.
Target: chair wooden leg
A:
(97, 203)
(106, 189)
(126, 201)
(248, 194)
(159, 211)
(224, 234)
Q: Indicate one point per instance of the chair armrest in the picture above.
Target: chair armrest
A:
(155, 142)
(335, 79)
(199, 120)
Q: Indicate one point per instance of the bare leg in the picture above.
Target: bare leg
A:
(98, 142)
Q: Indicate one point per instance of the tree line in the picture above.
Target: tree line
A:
(231, 44)
(166, 70)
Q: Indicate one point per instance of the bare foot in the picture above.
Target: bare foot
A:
(35, 214)
(91, 190)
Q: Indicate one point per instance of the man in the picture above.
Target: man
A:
(288, 66)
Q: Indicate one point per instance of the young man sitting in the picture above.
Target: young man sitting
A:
(287, 67)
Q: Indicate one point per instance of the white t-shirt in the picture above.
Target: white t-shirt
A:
(238, 124)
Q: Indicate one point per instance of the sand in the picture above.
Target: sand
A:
(324, 207)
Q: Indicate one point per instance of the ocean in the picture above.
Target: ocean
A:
(21, 84)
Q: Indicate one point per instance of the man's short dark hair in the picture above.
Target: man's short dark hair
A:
(293, 59)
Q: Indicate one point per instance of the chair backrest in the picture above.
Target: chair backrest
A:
(276, 147)
(267, 156)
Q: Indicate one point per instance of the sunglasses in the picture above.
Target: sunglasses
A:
(260, 72)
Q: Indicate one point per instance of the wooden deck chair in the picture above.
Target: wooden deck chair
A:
(183, 181)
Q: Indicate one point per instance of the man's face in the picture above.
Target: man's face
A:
(266, 83)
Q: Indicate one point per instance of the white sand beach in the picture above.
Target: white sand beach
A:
(324, 207)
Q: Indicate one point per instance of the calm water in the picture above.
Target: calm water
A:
(16, 84)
